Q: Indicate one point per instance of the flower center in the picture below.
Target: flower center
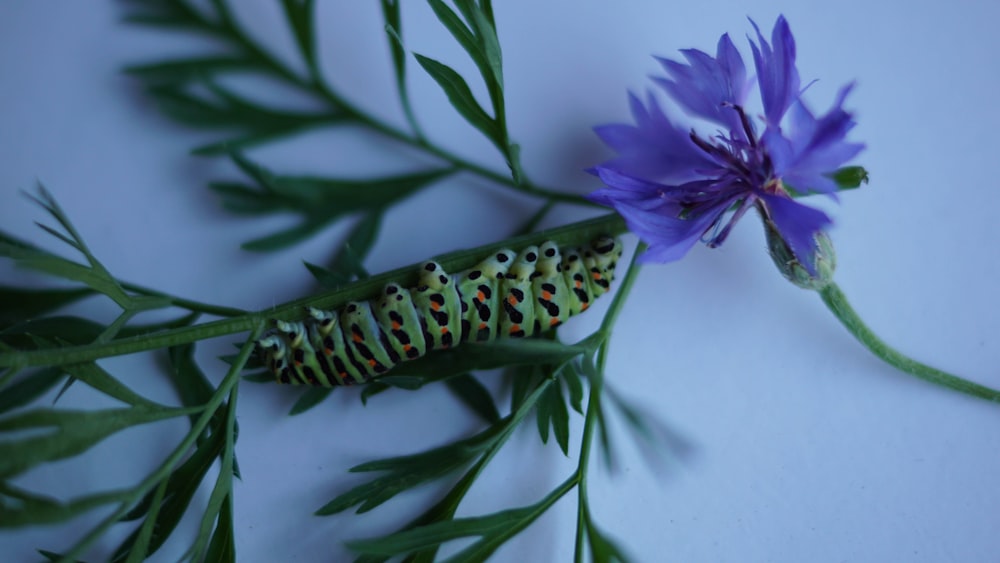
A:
(744, 159)
(774, 186)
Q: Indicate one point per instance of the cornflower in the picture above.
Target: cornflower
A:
(674, 186)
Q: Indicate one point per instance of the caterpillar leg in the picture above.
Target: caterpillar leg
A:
(331, 351)
(312, 352)
(291, 356)
(274, 353)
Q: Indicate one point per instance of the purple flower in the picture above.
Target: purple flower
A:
(675, 187)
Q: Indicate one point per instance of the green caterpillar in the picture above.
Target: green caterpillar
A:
(508, 295)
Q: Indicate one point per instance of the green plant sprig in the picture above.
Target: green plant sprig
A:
(545, 399)
(833, 297)
(421, 538)
(170, 82)
(164, 495)
(167, 490)
(575, 234)
(226, 435)
(547, 376)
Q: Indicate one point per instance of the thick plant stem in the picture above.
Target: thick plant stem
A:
(575, 233)
(837, 302)
(594, 402)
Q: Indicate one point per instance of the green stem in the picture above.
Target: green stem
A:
(589, 423)
(314, 83)
(131, 345)
(446, 507)
(572, 234)
(594, 400)
(382, 127)
(836, 301)
(624, 288)
(229, 382)
(188, 304)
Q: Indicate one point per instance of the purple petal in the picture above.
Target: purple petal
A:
(705, 86)
(652, 211)
(776, 73)
(732, 66)
(798, 225)
(624, 188)
(653, 148)
(673, 192)
(669, 238)
(667, 200)
(814, 147)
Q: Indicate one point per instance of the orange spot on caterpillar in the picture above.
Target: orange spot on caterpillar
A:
(482, 326)
(396, 325)
(328, 351)
(371, 363)
(578, 284)
(554, 322)
(406, 347)
(514, 328)
(597, 275)
(480, 297)
(512, 300)
(356, 337)
(546, 296)
(435, 306)
(444, 330)
(584, 306)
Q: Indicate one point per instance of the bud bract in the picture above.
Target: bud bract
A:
(824, 260)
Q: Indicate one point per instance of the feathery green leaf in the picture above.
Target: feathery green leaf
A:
(19, 507)
(18, 304)
(461, 98)
(28, 388)
(299, 14)
(474, 395)
(493, 530)
(66, 433)
(406, 472)
(309, 398)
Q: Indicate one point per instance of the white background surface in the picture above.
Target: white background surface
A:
(806, 448)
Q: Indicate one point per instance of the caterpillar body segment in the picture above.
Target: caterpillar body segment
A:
(396, 313)
(507, 295)
(477, 289)
(517, 315)
(550, 289)
(437, 304)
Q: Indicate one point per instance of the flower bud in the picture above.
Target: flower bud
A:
(824, 260)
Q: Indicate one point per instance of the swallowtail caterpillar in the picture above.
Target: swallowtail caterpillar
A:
(507, 295)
